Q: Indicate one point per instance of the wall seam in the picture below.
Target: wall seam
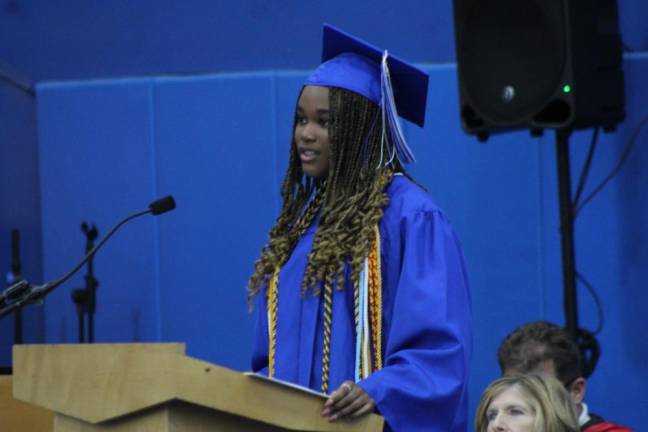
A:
(275, 138)
(157, 304)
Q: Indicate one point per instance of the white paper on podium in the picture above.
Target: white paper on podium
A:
(285, 384)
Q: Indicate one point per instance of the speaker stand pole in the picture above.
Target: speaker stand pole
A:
(567, 232)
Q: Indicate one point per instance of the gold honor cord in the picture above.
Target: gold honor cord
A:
(326, 349)
(273, 301)
(371, 335)
(273, 285)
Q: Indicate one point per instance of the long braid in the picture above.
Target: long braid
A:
(283, 238)
(355, 196)
(351, 204)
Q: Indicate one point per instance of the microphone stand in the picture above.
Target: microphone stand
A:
(85, 298)
(23, 293)
(16, 276)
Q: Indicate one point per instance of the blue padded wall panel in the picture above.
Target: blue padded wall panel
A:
(215, 151)
(490, 193)
(95, 165)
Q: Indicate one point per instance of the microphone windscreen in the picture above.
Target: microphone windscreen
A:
(162, 205)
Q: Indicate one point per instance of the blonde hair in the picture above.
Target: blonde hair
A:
(548, 399)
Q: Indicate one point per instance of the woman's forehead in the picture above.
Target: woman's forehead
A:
(314, 97)
(512, 395)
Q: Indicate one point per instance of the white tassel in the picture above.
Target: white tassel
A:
(391, 122)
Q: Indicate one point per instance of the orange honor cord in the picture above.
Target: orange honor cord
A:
(375, 299)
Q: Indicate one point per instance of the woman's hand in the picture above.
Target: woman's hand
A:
(348, 401)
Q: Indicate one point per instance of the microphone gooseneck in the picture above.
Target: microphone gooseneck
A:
(26, 293)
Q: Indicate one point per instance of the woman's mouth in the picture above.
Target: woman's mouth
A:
(307, 155)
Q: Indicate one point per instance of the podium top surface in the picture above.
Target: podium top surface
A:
(101, 382)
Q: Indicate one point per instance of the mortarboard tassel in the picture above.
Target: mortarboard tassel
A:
(390, 116)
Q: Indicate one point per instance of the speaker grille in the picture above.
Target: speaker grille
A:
(512, 57)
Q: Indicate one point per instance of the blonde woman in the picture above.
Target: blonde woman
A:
(526, 403)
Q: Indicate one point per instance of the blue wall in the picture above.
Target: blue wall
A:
(108, 147)
(219, 143)
(45, 39)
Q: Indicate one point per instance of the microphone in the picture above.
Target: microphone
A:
(15, 291)
(162, 205)
(24, 293)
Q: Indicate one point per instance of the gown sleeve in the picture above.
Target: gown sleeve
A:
(427, 329)
(260, 346)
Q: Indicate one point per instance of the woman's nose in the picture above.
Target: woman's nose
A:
(307, 132)
(498, 423)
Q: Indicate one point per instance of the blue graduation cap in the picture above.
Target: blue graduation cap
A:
(397, 87)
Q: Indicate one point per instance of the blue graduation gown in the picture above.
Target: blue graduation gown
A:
(426, 320)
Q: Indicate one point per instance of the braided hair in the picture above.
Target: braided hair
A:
(350, 201)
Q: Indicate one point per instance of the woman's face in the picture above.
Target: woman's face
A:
(509, 412)
(311, 134)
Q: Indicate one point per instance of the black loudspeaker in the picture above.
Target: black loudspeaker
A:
(535, 64)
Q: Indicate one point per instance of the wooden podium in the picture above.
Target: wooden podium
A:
(18, 416)
(156, 387)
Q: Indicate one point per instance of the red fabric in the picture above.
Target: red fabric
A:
(607, 427)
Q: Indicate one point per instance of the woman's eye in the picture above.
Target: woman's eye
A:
(301, 120)
(516, 411)
(490, 416)
(324, 122)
